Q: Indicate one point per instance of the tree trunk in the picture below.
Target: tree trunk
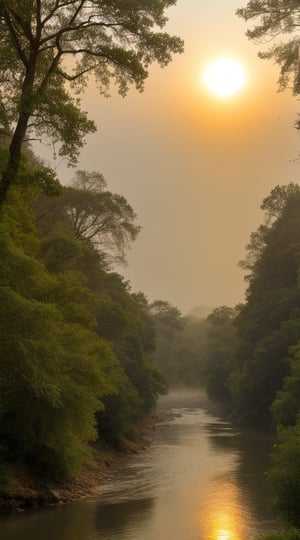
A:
(12, 166)
(10, 172)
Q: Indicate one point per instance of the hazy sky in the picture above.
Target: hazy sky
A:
(194, 167)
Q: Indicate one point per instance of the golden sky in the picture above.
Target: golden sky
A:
(195, 167)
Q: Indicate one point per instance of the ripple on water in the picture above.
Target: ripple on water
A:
(199, 480)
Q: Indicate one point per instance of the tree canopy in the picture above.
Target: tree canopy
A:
(253, 352)
(96, 216)
(48, 51)
(76, 347)
(275, 18)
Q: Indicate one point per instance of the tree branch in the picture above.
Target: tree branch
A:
(15, 38)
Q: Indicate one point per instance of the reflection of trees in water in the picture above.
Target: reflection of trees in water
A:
(252, 448)
(79, 521)
(114, 518)
(71, 522)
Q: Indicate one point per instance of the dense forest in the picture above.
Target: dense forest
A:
(82, 357)
(76, 344)
(253, 351)
(248, 357)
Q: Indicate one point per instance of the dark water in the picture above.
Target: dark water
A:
(200, 480)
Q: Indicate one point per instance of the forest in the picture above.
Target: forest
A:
(248, 357)
(76, 344)
(76, 347)
(83, 358)
(251, 356)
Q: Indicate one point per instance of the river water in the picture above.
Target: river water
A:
(200, 479)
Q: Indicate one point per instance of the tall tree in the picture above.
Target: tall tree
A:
(97, 217)
(267, 323)
(276, 17)
(220, 343)
(50, 48)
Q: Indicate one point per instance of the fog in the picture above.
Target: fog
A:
(195, 168)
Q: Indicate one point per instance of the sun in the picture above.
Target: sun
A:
(224, 77)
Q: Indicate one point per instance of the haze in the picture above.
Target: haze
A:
(195, 168)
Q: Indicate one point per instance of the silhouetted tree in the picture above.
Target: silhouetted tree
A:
(50, 47)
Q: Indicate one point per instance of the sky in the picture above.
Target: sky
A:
(193, 166)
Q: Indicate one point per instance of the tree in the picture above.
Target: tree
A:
(286, 406)
(277, 17)
(187, 353)
(49, 49)
(91, 215)
(284, 474)
(169, 323)
(272, 205)
(99, 217)
(167, 316)
(220, 342)
(54, 370)
(267, 324)
(76, 345)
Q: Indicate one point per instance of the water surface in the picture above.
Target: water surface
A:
(201, 479)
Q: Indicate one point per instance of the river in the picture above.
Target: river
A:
(200, 479)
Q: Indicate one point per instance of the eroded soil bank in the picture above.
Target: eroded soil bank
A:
(25, 491)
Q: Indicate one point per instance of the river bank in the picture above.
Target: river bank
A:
(25, 491)
(200, 478)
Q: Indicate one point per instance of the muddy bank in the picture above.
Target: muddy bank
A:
(26, 491)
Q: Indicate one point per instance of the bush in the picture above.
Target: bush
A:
(284, 475)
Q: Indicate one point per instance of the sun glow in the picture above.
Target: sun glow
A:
(221, 517)
(224, 77)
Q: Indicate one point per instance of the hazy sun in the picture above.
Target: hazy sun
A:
(224, 77)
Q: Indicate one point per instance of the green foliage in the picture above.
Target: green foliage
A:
(189, 353)
(272, 205)
(49, 50)
(254, 386)
(169, 324)
(267, 325)
(59, 248)
(53, 372)
(286, 406)
(265, 385)
(284, 474)
(220, 343)
(91, 215)
(134, 341)
(119, 415)
(181, 345)
(269, 250)
(76, 345)
(82, 231)
(32, 174)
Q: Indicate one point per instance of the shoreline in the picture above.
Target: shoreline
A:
(27, 492)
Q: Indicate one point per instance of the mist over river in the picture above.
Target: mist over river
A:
(201, 479)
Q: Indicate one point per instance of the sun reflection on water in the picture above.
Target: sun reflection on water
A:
(223, 527)
(224, 535)
(223, 517)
